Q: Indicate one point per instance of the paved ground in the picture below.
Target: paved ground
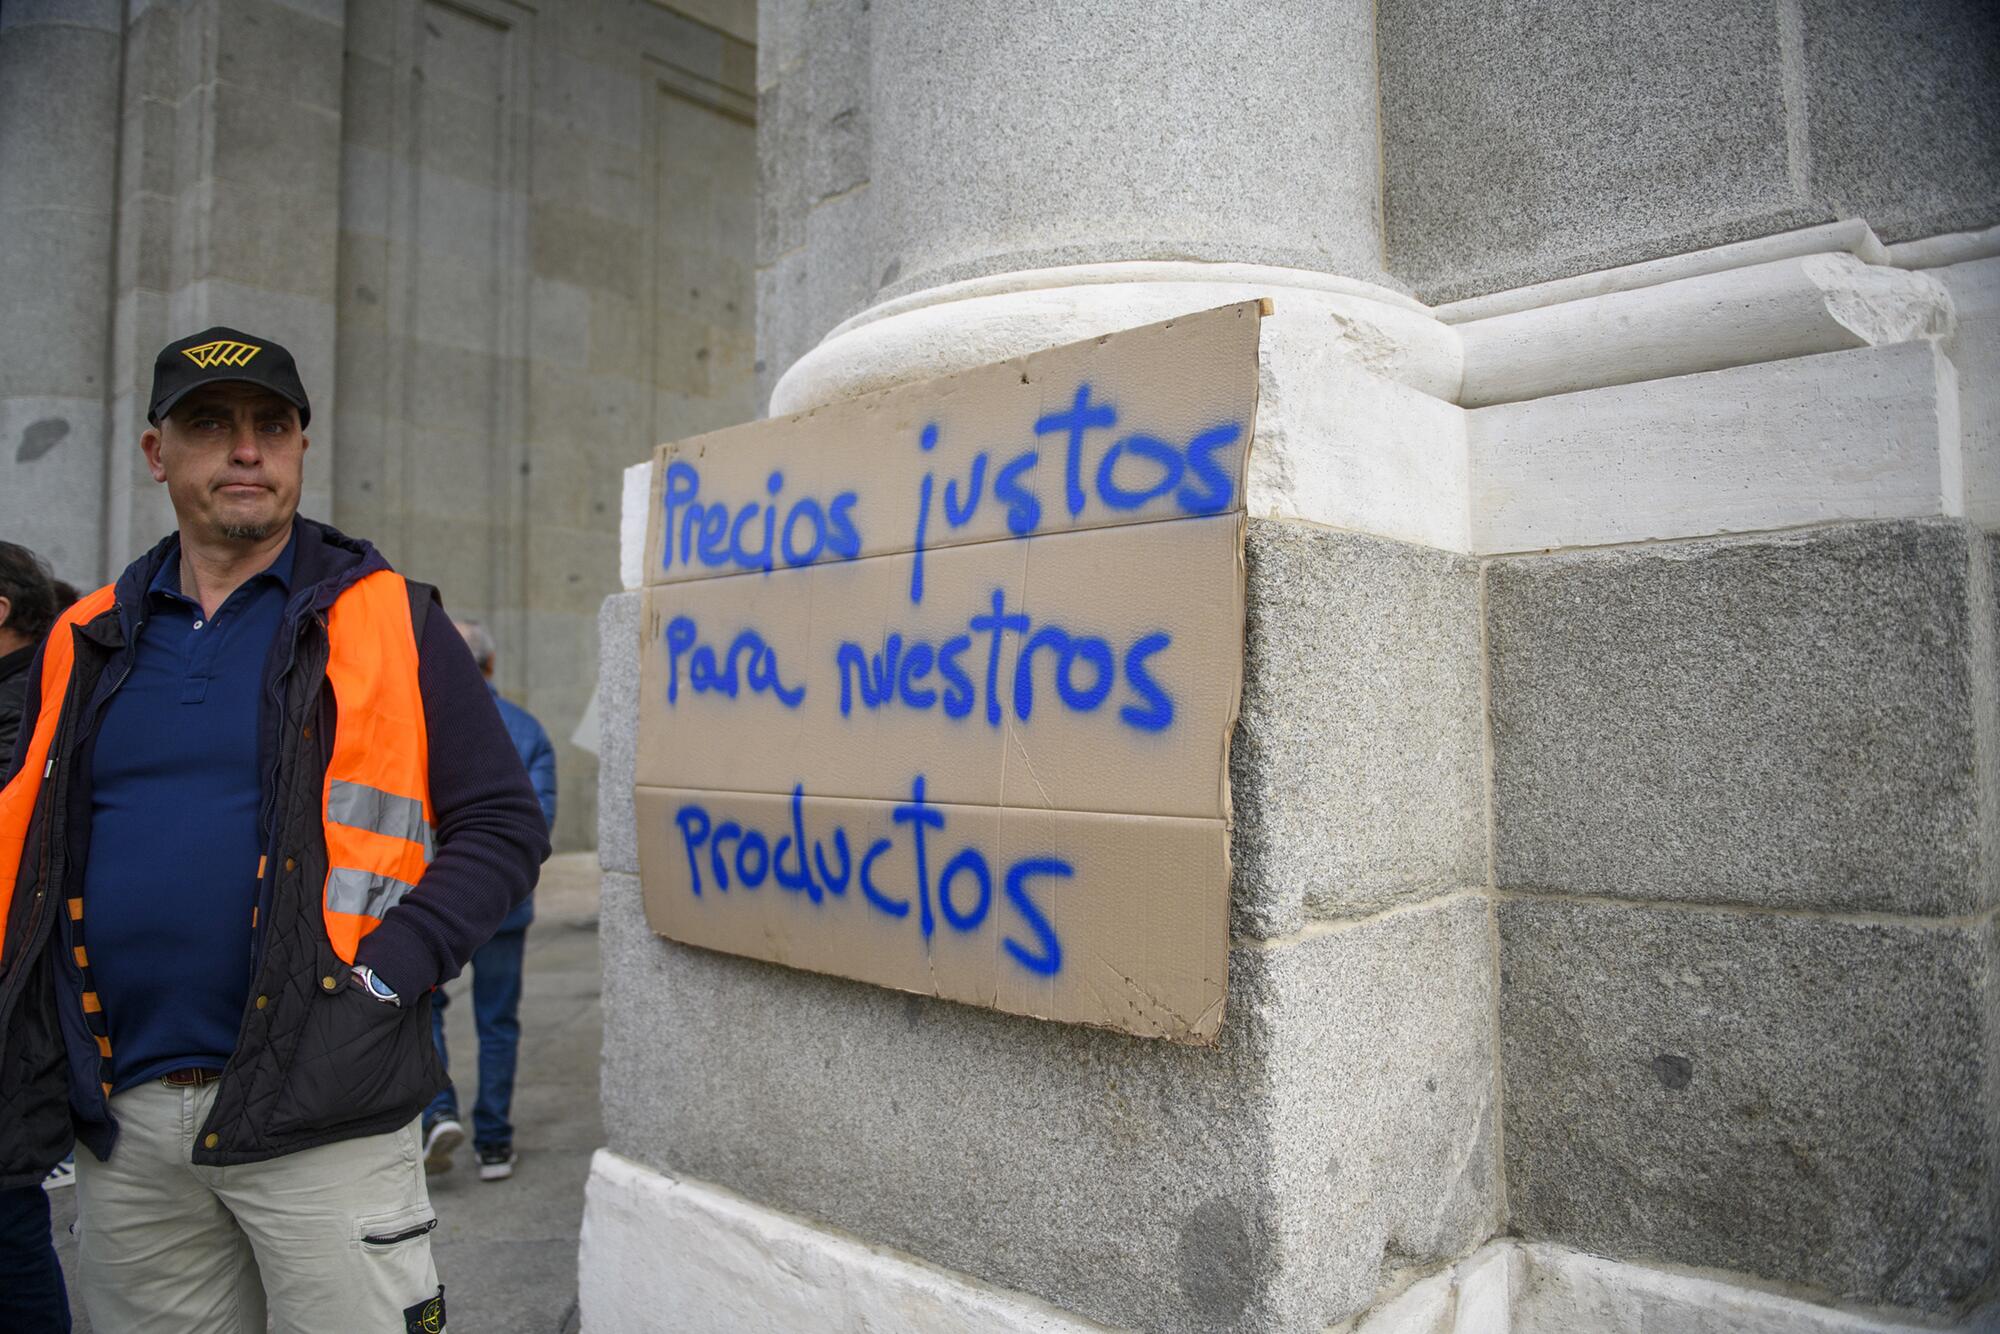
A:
(507, 1250)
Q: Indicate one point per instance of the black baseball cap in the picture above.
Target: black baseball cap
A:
(218, 354)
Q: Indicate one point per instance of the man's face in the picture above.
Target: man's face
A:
(231, 455)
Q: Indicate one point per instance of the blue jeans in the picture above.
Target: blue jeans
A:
(496, 1010)
(32, 1297)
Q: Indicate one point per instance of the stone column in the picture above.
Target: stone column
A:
(1006, 137)
(59, 74)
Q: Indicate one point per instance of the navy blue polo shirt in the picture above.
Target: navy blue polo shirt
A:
(170, 890)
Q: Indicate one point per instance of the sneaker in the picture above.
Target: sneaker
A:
(496, 1162)
(62, 1174)
(445, 1135)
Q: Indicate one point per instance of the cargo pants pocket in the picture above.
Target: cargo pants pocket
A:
(395, 1267)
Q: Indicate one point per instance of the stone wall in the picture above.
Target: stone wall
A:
(545, 258)
(1742, 815)
(510, 244)
(1616, 785)
(1523, 141)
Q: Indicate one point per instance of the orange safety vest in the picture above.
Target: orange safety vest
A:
(17, 799)
(376, 806)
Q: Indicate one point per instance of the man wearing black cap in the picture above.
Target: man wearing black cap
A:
(261, 806)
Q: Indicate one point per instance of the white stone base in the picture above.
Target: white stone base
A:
(661, 1253)
(1510, 1287)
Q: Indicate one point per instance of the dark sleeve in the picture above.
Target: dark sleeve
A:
(491, 838)
(542, 773)
(10, 718)
(15, 733)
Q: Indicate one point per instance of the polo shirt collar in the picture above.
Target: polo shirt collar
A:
(167, 579)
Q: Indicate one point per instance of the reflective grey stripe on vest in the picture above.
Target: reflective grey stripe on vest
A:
(359, 806)
(363, 892)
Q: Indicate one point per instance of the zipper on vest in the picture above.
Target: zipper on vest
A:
(267, 902)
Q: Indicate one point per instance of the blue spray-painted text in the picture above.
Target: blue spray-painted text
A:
(751, 537)
(709, 673)
(923, 674)
(1133, 471)
(722, 855)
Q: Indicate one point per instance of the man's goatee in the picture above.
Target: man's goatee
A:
(248, 532)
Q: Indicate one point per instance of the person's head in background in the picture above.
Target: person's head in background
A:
(66, 595)
(481, 644)
(27, 598)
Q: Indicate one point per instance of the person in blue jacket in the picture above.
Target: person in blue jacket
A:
(496, 971)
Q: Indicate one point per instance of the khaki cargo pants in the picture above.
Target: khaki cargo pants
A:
(333, 1239)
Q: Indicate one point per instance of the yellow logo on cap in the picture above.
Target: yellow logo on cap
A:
(221, 353)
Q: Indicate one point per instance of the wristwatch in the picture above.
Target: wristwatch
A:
(376, 987)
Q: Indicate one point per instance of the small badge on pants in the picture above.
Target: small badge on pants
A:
(426, 1317)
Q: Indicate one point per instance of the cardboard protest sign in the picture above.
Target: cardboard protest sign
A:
(937, 684)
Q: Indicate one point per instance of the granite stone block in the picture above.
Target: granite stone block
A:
(1806, 1099)
(600, 99)
(1523, 141)
(1788, 721)
(146, 154)
(52, 260)
(1904, 113)
(578, 246)
(571, 165)
(1345, 1115)
(1357, 769)
(65, 160)
(279, 242)
(617, 731)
